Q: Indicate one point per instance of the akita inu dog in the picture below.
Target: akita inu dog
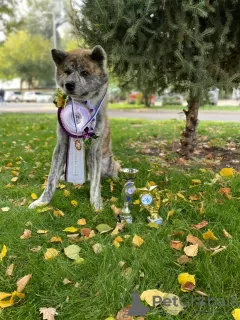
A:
(82, 75)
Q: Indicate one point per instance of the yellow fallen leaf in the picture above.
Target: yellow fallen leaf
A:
(5, 209)
(44, 209)
(185, 278)
(136, 201)
(175, 305)
(70, 229)
(137, 241)
(236, 314)
(180, 195)
(196, 181)
(34, 196)
(117, 241)
(14, 179)
(209, 235)
(22, 282)
(3, 252)
(66, 193)
(81, 222)
(58, 213)
(4, 295)
(50, 253)
(42, 231)
(62, 186)
(74, 203)
(227, 172)
(148, 295)
(48, 313)
(56, 239)
(170, 213)
(15, 173)
(35, 249)
(26, 234)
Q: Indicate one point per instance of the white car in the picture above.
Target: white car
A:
(13, 96)
(36, 96)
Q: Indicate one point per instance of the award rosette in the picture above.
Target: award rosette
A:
(78, 122)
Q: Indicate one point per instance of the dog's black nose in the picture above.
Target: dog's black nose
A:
(70, 86)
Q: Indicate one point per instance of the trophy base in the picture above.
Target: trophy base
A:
(125, 218)
(158, 221)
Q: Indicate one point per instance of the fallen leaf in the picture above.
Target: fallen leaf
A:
(97, 248)
(85, 232)
(36, 249)
(56, 239)
(193, 198)
(66, 193)
(9, 271)
(62, 186)
(153, 225)
(121, 263)
(180, 195)
(137, 241)
(226, 234)
(5, 209)
(184, 259)
(51, 253)
(194, 240)
(174, 307)
(117, 211)
(58, 213)
(72, 252)
(170, 213)
(3, 252)
(183, 278)
(201, 293)
(103, 228)
(113, 199)
(226, 192)
(119, 227)
(188, 286)
(70, 229)
(176, 244)
(42, 231)
(227, 172)
(48, 313)
(26, 234)
(34, 196)
(217, 249)
(22, 282)
(123, 314)
(81, 222)
(177, 233)
(148, 295)
(209, 235)
(14, 179)
(66, 281)
(117, 241)
(136, 201)
(199, 225)
(196, 181)
(74, 203)
(44, 209)
(192, 250)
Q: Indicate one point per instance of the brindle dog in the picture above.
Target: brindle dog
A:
(82, 74)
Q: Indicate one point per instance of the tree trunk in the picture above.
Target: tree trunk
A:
(188, 140)
(146, 97)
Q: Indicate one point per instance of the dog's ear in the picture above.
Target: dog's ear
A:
(58, 56)
(99, 55)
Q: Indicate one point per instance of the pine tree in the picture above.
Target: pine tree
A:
(192, 45)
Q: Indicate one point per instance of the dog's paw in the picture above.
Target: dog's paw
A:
(97, 204)
(37, 203)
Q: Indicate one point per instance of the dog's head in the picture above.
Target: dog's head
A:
(81, 73)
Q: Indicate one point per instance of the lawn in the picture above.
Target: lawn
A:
(102, 285)
(126, 106)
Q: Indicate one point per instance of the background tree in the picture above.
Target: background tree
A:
(9, 18)
(27, 57)
(193, 45)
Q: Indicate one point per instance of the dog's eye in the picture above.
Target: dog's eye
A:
(68, 71)
(84, 73)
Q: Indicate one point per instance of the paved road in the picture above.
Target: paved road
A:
(146, 114)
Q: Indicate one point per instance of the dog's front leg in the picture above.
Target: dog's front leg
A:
(57, 167)
(94, 167)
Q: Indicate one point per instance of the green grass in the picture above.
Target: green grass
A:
(126, 106)
(27, 142)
